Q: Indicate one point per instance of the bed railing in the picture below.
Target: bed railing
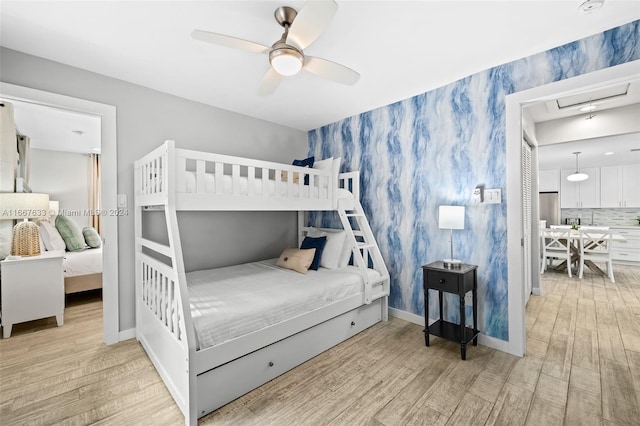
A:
(202, 177)
(160, 294)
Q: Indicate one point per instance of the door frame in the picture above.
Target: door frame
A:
(109, 182)
(514, 133)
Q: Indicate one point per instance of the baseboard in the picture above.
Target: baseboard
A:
(407, 316)
(488, 341)
(127, 334)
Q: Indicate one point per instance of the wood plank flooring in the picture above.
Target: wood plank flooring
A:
(582, 368)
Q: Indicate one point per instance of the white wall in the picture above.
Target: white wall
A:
(145, 118)
(65, 177)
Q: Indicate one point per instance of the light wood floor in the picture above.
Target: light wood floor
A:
(582, 368)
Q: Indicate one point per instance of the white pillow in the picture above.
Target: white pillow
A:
(50, 236)
(333, 253)
(332, 164)
(325, 164)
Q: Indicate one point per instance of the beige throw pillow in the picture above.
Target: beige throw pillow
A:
(298, 260)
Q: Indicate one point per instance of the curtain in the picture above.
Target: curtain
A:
(8, 163)
(24, 148)
(95, 193)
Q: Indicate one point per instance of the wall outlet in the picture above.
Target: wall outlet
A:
(468, 299)
(493, 196)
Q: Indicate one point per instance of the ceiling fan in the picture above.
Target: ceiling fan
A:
(286, 55)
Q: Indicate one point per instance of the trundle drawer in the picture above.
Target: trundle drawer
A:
(229, 381)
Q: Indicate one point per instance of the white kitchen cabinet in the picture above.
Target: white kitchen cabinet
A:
(619, 186)
(32, 288)
(585, 194)
(631, 185)
(626, 251)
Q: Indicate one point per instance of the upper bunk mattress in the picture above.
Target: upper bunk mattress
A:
(236, 300)
(190, 186)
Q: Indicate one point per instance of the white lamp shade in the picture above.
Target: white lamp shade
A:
(21, 205)
(451, 217)
(54, 208)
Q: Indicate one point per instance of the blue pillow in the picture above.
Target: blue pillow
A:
(318, 244)
(307, 162)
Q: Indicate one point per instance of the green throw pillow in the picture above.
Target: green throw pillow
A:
(91, 237)
(71, 234)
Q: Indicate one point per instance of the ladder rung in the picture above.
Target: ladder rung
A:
(354, 215)
(379, 280)
(365, 245)
(379, 294)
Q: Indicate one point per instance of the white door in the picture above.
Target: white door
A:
(526, 219)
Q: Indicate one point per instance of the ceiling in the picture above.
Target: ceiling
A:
(57, 129)
(592, 152)
(601, 99)
(400, 48)
(613, 127)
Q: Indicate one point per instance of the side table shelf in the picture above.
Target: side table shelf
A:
(455, 281)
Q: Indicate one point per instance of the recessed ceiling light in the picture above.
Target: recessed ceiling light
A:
(590, 6)
(609, 153)
(78, 132)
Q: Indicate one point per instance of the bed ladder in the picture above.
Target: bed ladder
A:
(364, 247)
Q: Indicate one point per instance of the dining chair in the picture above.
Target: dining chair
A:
(556, 245)
(595, 246)
(560, 226)
(594, 228)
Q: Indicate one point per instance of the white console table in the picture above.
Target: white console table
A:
(32, 288)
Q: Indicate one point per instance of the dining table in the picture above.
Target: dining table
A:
(574, 245)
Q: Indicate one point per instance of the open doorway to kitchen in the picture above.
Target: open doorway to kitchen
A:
(100, 118)
(516, 130)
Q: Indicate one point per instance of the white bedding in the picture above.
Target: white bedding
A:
(189, 186)
(236, 300)
(76, 263)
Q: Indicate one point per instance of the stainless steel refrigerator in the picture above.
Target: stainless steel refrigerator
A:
(550, 208)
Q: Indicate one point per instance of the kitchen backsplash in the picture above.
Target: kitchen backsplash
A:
(603, 217)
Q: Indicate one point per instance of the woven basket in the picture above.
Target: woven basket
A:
(26, 239)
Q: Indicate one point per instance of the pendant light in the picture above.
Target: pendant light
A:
(577, 176)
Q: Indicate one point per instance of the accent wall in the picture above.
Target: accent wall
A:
(433, 149)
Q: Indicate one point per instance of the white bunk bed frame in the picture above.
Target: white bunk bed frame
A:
(202, 380)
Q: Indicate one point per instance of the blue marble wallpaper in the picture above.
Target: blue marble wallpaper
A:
(433, 149)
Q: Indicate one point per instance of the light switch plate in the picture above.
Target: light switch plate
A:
(493, 196)
(122, 201)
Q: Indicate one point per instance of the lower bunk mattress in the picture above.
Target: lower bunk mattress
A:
(233, 301)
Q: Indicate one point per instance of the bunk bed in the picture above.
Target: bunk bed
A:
(205, 368)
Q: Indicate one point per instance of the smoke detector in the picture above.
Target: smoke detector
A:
(589, 6)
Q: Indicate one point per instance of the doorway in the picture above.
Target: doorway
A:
(108, 179)
(515, 208)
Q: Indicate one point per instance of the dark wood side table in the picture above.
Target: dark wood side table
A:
(456, 281)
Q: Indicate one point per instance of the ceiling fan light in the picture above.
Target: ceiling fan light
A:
(286, 61)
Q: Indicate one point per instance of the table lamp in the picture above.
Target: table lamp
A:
(451, 217)
(19, 205)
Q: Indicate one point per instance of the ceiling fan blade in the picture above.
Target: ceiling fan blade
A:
(310, 22)
(229, 41)
(269, 83)
(330, 70)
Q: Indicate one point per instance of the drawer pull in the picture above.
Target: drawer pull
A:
(442, 280)
(270, 363)
(352, 323)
